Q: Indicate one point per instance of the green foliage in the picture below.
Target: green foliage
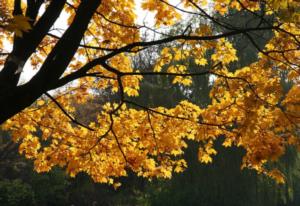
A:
(50, 188)
(16, 193)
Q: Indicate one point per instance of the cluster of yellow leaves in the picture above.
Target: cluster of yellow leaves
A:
(5, 11)
(130, 84)
(149, 143)
(249, 102)
(17, 24)
(172, 58)
(224, 52)
(292, 101)
(165, 14)
(165, 59)
(121, 12)
(223, 6)
(204, 154)
(288, 10)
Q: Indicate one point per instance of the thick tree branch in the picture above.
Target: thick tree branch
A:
(64, 50)
(33, 7)
(17, 8)
(25, 46)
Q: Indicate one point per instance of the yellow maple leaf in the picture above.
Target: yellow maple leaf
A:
(19, 25)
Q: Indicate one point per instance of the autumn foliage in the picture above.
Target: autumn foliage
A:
(249, 107)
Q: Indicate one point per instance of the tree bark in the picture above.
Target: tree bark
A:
(14, 98)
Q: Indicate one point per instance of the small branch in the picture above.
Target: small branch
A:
(100, 138)
(83, 45)
(118, 143)
(66, 113)
(153, 132)
(174, 117)
(129, 47)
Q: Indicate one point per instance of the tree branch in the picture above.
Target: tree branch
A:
(64, 50)
(66, 113)
(102, 60)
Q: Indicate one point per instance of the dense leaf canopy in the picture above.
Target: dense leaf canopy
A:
(93, 56)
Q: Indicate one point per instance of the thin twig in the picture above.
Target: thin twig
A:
(66, 113)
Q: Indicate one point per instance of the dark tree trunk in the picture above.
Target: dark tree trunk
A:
(14, 98)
